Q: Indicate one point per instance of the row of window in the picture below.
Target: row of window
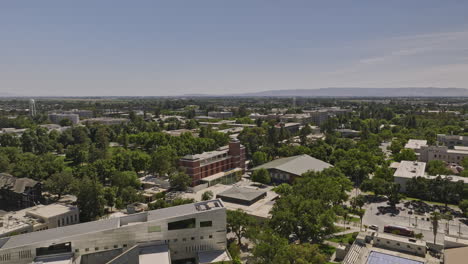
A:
(69, 219)
(398, 244)
(25, 254)
(77, 250)
(5, 257)
(185, 239)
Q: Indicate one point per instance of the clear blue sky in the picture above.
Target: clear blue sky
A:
(113, 47)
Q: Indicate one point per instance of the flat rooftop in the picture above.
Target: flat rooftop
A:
(51, 210)
(260, 208)
(409, 169)
(242, 193)
(209, 154)
(416, 144)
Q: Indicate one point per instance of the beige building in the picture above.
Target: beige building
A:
(455, 155)
(37, 218)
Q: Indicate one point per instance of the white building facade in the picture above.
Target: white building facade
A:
(187, 230)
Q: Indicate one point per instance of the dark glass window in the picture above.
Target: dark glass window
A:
(206, 223)
(182, 224)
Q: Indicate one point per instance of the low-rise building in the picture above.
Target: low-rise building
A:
(227, 158)
(379, 248)
(14, 131)
(406, 170)
(416, 145)
(349, 133)
(179, 132)
(106, 121)
(287, 169)
(296, 118)
(82, 113)
(242, 195)
(57, 117)
(37, 218)
(220, 115)
(292, 128)
(443, 153)
(451, 141)
(18, 193)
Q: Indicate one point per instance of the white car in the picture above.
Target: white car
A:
(374, 227)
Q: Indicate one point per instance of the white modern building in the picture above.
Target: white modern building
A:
(193, 233)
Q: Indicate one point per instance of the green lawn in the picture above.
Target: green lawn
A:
(339, 229)
(326, 249)
(344, 238)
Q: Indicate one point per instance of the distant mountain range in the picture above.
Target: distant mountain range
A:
(362, 92)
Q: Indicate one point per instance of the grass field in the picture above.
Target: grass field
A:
(344, 238)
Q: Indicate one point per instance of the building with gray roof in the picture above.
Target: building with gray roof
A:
(287, 169)
(18, 193)
(242, 195)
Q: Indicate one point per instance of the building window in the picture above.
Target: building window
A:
(77, 250)
(124, 245)
(86, 249)
(211, 236)
(182, 224)
(398, 244)
(193, 238)
(115, 246)
(175, 239)
(206, 223)
(201, 237)
(184, 239)
(96, 248)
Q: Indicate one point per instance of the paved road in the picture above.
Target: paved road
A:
(416, 223)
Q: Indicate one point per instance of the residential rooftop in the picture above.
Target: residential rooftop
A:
(416, 144)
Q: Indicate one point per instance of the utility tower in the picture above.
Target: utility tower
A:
(32, 107)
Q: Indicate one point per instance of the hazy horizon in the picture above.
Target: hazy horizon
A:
(154, 48)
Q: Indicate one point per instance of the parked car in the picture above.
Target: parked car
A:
(374, 227)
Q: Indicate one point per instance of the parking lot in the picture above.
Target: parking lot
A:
(416, 216)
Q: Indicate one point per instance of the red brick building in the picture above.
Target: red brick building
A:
(202, 165)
